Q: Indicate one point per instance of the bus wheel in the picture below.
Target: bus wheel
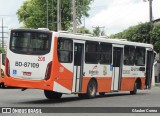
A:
(52, 94)
(101, 93)
(2, 85)
(91, 89)
(134, 90)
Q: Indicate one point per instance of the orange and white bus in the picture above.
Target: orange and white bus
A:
(60, 63)
(2, 67)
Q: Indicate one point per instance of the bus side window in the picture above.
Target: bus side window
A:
(129, 52)
(3, 59)
(105, 53)
(65, 50)
(140, 56)
(91, 54)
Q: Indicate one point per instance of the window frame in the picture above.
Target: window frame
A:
(70, 52)
(105, 52)
(87, 60)
(144, 60)
(28, 52)
(133, 60)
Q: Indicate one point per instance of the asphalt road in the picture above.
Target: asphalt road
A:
(35, 98)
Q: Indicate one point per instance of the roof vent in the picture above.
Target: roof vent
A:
(45, 29)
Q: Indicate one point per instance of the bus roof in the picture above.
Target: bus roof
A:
(100, 39)
(85, 37)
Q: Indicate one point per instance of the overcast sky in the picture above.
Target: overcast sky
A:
(114, 15)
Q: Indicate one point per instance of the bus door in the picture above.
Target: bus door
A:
(78, 66)
(149, 69)
(117, 68)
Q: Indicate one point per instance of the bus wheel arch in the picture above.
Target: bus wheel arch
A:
(137, 85)
(92, 88)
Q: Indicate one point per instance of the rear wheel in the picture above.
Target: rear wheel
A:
(134, 90)
(52, 94)
(2, 85)
(91, 89)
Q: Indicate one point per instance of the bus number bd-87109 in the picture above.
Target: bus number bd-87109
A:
(27, 64)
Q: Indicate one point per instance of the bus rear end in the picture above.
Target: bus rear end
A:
(29, 59)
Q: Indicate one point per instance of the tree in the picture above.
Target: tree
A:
(83, 30)
(155, 35)
(2, 50)
(33, 13)
(142, 33)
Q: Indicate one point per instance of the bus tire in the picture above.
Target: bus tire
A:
(101, 93)
(2, 85)
(134, 90)
(52, 94)
(91, 89)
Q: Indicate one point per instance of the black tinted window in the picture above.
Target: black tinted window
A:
(105, 53)
(129, 52)
(30, 42)
(140, 56)
(3, 59)
(65, 50)
(91, 55)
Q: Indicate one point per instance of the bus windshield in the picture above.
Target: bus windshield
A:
(30, 43)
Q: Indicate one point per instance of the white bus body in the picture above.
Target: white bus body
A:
(68, 63)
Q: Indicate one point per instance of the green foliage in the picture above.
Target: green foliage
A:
(155, 35)
(33, 13)
(83, 30)
(98, 32)
(142, 33)
(2, 50)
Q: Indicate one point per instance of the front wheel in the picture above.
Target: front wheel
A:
(134, 90)
(52, 94)
(91, 89)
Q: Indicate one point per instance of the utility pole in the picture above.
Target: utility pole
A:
(58, 15)
(2, 28)
(74, 16)
(52, 17)
(150, 10)
(47, 12)
(150, 18)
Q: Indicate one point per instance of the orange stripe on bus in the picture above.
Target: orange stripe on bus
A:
(104, 84)
(64, 77)
(127, 83)
(15, 82)
(1, 79)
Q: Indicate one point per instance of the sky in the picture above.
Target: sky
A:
(113, 15)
